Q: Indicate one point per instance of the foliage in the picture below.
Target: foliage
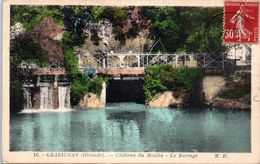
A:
(166, 28)
(44, 33)
(119, 35)
(75, 19)
(180, 29)
(189, 76)
(152, 81)
(31, 16)
(96, 84)
(23, 49)
(237, 92)
(117, 15)
(16, 94)
(160, 78)
(80, 83)
(97, 13)
(79, 88)
(71, 63)
(94, 37)
(205, 36)
(183, 29)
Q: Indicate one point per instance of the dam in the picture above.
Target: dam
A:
(46, 89)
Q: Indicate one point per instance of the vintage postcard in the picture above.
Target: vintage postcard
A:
(131, 82)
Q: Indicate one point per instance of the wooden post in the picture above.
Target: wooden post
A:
(38, 80)
(55, 83)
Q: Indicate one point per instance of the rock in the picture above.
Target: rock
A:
(91, 100)
(167, 99)
(245, 99)
(162, 100)
(230, 104)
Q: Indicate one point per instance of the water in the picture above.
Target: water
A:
(46, 94)
(47, 97)
(132, 127)
(64, 97)
(27, 97)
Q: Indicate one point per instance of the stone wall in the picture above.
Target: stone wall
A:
(55, 98)
(204, 93)
(91, 100)
(211, 86)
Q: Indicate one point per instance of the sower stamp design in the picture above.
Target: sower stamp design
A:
(241, 22)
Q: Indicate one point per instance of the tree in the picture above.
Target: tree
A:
(75, 19)
(30, 16)
(44, 33)
(24, 49)
(203, 29)
(166, 27)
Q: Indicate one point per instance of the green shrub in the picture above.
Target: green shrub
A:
(152, 81)
(23, 49)
(237, 92)
(160, 78)
(16, 94)
(80, 83)
(96, 84)
(78, 90)
(189, 77)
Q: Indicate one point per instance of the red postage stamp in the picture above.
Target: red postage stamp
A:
(241, 22)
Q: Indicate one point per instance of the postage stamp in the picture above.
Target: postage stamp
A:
(241, 22)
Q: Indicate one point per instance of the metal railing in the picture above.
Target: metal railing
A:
(136, 60)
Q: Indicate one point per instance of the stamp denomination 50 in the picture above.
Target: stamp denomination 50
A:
(241, 22)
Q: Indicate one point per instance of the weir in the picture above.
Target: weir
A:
(46, 90)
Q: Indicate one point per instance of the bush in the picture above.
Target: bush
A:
(80, 82)
(78, 90)
(16, 95)
(189, 77)
(160, 78)
(23, 49)
(152, 81)
(237, 92)
(96, 84)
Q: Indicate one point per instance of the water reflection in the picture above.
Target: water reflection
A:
(132, 127)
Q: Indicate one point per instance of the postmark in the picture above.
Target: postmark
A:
(241, 22)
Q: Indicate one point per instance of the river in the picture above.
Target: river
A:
(131, 127)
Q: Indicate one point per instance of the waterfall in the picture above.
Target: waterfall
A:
(27, 98)
(64, 97)
(46, 94)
